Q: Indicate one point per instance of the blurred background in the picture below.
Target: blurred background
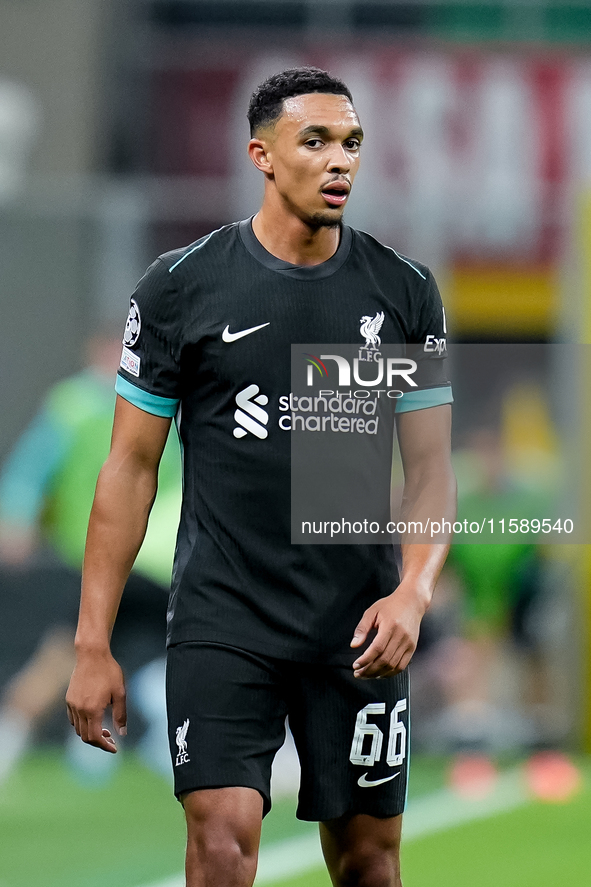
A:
(122, 135)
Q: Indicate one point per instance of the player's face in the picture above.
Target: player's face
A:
(314, 153)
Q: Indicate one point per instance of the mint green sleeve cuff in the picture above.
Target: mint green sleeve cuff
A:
(144, 400)
(423, 399)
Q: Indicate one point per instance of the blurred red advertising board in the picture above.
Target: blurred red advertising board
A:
(474, 153)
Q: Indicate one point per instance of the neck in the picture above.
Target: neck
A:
(287, 237)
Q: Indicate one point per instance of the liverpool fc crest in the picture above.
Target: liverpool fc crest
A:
(181, 741)
(369, 329)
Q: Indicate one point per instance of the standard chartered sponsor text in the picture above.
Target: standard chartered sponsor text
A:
(337, 411)
(431, 528)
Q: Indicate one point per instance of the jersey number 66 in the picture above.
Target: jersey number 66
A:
(396, 739)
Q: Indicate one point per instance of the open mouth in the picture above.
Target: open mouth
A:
(336, 194)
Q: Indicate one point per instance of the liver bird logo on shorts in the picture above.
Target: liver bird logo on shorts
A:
(181, 741)
(370, 327)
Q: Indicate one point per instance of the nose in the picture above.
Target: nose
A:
(340, 160)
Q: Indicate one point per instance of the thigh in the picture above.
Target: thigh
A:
(353, 741)
(226, 718)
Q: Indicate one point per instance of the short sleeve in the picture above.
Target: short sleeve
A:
(428, 347)
(149, 372)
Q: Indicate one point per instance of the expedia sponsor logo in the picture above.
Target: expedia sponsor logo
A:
(432, 343)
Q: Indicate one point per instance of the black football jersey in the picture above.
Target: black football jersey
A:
(209, 339)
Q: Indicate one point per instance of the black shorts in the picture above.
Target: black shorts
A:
(226, 717)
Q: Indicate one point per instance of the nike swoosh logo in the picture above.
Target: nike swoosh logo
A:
(227, 336)
(367, 783)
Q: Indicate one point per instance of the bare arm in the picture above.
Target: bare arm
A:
(125, 492)
(429, 492)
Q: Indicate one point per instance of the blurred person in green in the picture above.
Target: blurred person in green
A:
(500, 586)
(46, 491)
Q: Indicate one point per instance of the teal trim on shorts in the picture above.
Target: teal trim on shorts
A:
(423, 399)
(149, 403)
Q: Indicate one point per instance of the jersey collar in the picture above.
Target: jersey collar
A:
(300, 272)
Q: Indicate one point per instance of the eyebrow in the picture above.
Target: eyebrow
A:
(325, 131)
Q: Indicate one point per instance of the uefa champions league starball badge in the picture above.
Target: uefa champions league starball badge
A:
(132, 326)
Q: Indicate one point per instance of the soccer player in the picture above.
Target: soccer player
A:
(260, 628)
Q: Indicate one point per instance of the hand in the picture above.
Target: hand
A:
(397, 620)
(96, 683)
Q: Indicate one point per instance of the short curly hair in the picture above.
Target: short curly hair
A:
(266, 102)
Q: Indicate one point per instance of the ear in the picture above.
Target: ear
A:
(259, 151)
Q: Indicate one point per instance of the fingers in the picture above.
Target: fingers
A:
(120, 712)
(96, 683)
(73, 718)
(110, 742)
(365, 625)
(387, 655)
(93, 733)
(397, 620)
(373, 652)
(88, 725)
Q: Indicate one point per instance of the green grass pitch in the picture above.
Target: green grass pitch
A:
(130, 833)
